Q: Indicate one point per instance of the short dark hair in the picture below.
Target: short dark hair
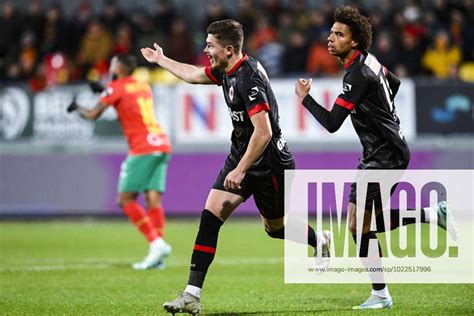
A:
(128, 62)
(358, 25)
(228, 32)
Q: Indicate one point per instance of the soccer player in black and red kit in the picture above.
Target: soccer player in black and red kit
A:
(258, 156)
(368, 97)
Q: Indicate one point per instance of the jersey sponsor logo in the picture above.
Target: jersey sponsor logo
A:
(231, 93)
(237, 116)
(107, 92)
(281, 143)
(154, 139)
(253, 93)
(346, 87)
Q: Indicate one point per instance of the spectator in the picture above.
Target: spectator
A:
(318, 27)
(385, 51)
(146, 33)
(123, 40)
(272, 9)
(299, 14)
(270, 54)
(286, 27)
(34, 21)
(181, 45)
(264, 33)
(441, 58)
(25, 66)
(409, 56)
(320, 62)
(54, 31)
(275, 30)
(55, 68)
(163, 16)
(215, 12)
(96, 45)
(440, 8)
(248, 15)
(10, 31)
(385, 9)
(111, 16)
(294, 59)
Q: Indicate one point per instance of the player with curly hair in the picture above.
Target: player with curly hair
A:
(368, 96)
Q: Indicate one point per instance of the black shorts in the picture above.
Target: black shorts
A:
(268, 191)
(373, 190)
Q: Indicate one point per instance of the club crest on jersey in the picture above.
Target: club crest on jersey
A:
(231, 93)
(346, 87)
(253, 93)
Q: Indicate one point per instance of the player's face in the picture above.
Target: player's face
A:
(340, 40)
(216, 53)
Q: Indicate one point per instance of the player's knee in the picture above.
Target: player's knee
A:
(153, 199)
(278, 234)
(122, 200)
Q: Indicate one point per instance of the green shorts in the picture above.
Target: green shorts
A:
(143, 172)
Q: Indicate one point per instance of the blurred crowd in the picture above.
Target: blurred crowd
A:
(42, 45)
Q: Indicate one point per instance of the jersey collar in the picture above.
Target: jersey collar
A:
(349, 63)
(237, 64)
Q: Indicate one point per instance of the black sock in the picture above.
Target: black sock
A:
(395, 220)
(280, 234)
(364, 250)
(204, 248)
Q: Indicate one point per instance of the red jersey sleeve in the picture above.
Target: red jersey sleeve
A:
(112, 94)
(214, 75)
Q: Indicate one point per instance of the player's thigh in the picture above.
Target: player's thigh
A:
(222, 203)
(269, 196)
(157, 171)
(134, 173)
(245, 185)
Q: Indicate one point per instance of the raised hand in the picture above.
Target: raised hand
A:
(302, 87)
(153, 55)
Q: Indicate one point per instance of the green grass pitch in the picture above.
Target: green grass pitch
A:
(83, 268)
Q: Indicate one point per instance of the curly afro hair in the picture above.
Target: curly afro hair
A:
(358, 25)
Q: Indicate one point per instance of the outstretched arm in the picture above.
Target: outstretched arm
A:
(92, 114)
(331, 120)
(186, 72)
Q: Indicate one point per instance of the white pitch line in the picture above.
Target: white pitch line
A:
(108, 264)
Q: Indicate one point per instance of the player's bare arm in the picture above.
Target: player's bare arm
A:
(92, 114)
(186, 72)
(258, 142)
(331, 120)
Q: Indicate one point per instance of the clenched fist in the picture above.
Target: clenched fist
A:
(302, 87)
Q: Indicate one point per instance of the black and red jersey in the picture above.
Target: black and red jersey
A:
(247, 91)
(368, 92)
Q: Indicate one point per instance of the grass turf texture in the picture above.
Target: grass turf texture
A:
(84, 268)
